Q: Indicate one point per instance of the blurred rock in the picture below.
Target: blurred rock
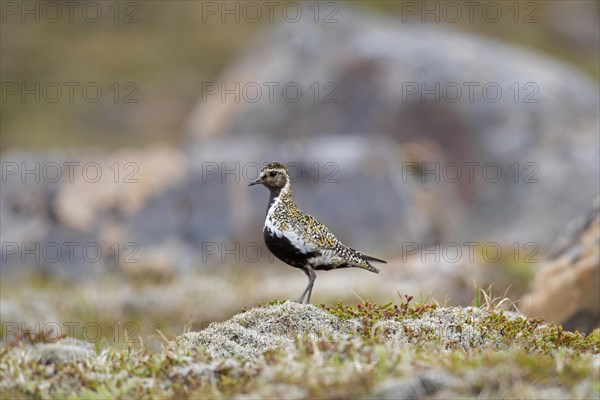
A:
(171, 211)
(362, 165)
(566, 289)
(576, 26)
(350, 182)
(66, 350)
(31, 312)
(543, 139)
(422, 386)
(129, 179)
(65, 212)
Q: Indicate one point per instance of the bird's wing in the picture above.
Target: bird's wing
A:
(332, 252)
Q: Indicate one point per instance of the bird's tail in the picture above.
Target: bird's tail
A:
(367, 265)
(371, 258)
(371, 268)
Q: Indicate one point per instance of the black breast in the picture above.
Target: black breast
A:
(282, 248)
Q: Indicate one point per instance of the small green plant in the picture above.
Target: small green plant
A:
(371, 313)
(485, 299)
(477, 300)
(271, 303)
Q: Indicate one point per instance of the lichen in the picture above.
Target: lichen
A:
(328, 352)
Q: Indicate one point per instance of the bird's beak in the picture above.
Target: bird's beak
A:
(256, 182)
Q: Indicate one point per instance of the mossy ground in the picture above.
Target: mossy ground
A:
(521, 358)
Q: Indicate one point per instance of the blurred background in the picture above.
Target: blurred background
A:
(458, 142)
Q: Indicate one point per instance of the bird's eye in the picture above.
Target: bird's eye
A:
(273, 173)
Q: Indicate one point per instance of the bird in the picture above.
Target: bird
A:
(297, 238)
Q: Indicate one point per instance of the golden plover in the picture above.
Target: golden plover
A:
(297, 238)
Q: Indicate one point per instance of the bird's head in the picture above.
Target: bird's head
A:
(274, 176)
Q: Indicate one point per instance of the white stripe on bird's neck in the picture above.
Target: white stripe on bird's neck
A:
(284, 193)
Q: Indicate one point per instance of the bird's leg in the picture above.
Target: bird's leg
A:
(301, 298)
(311, 281)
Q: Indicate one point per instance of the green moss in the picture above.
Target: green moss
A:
(533, 334)
(370, 313)
(272, 303)
(533, 357)
(525, 333)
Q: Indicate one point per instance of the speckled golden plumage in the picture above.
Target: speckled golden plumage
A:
(298, 238)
